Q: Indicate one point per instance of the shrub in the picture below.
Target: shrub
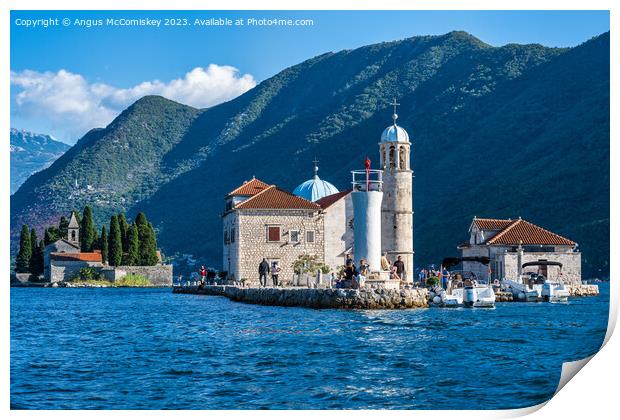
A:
(432, 281)
(133, 280)
(89, 273)
(308, 264)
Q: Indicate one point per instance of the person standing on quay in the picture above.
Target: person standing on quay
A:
(275, 270)
(263, 271)
(400, 268)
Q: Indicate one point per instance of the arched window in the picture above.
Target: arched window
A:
(402, 164)
(73, 235)
(391, 156)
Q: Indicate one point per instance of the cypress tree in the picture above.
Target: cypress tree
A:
(34, 241)
(104, 244)
(51, 235)
(115, 247)
(132, 257)
(87, 230)
(122, 222)
(147, 241)
(36, 261)
(63, 227)
(22, 263)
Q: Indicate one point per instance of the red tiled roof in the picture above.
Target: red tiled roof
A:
(252, 187)
(275, 198)
(492, 224)
(522, 232)
(94, 256)
(327, 201)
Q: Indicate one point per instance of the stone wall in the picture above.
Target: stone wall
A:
(159, 275)
(252, 245)
(571, 265)
(68, 270)
(339, 239)
(318, 298)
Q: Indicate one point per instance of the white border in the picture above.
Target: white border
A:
(593, 394)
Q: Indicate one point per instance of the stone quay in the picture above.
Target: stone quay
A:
(379, 298)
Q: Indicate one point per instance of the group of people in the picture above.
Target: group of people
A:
(442, 274)
(264, 270)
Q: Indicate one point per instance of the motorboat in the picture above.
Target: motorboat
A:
(536, 287)
(476, 295)
(469, 292)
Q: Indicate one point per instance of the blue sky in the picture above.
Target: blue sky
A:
(107, 67)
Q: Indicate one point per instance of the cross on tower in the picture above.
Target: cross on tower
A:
(395, 115)
(316, 167)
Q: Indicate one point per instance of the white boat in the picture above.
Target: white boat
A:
(555, 292)
(523, 291)
(477, 295)
(536, 287)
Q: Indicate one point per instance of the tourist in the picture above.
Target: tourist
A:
(385, 262)
(263, 270)
(332, 279)
(364, 270)
(421, 276)
(400, 267)
(445, 276)
(275, 270)
(394, 275)
(348, 260)
(349, 273)
(203, 274)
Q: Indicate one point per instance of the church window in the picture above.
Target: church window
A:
(401, 157)
(273, 233)
(73, 235)
(226, 237)
(391, 157)
(310, 236)
(232, 235)
(294, 236)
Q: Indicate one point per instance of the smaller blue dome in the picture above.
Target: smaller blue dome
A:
(314, 189)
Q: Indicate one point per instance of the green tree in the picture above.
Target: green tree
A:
(132, 257)
(34, 241)
(63, 227)
(147, 241)
(122, 222)
(51, 235)
(115, 246)
(88, 234)
(103, 244)
(22, 263)
(36, 260)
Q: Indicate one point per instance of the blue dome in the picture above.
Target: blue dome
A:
(314, 189)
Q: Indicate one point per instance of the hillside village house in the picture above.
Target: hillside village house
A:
(501, 240)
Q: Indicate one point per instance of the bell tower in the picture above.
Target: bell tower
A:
(397, 204)
(73, 231)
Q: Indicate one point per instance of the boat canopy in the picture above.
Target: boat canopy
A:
(452, 261)
(541, 263)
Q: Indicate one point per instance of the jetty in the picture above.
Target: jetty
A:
(379, 298)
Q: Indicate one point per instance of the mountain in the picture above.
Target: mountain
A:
(518, 130)
(30, 153)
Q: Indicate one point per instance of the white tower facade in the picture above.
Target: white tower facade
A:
(367, 197)
(397, 207)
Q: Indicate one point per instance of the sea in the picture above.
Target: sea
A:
(124, 348)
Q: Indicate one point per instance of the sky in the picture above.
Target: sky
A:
(67, 79)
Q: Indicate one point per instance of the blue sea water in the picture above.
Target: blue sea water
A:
(150, 349)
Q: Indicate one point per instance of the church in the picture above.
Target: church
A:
(264, 221)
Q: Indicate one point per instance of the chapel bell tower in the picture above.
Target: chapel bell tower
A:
(397, 205)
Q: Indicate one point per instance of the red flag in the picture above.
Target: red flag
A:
(367, 165)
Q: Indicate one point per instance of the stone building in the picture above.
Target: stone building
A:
(264, 221)
(63, 260)
(501, 240)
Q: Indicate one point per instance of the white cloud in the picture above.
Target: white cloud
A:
(68, 103)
